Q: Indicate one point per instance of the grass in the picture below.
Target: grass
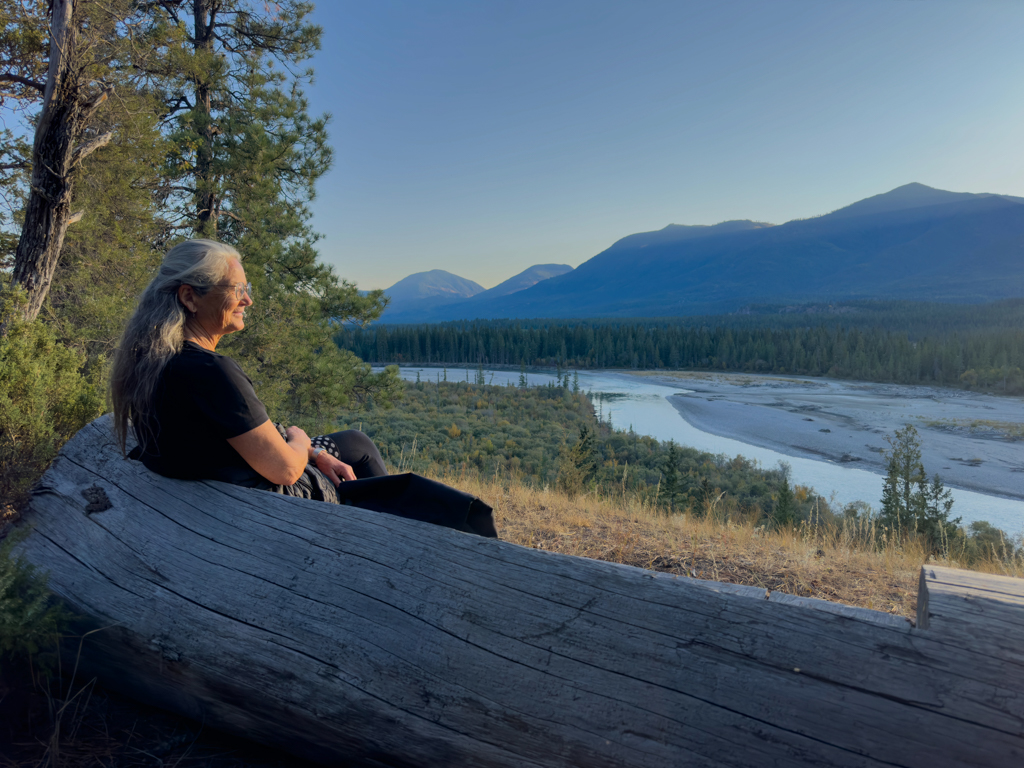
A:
(851, 562)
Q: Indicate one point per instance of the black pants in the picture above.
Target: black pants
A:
(355, 449)
(407, 495)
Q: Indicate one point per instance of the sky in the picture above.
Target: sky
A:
(484, 137)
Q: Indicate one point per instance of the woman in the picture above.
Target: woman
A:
(196, 415)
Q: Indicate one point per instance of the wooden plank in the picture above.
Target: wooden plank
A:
(850, 611)
(345, 635)
(759, 593)
(966, 607)
(988, 582)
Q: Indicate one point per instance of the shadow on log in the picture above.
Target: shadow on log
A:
(347, 636)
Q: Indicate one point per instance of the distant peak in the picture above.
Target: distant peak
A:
(527, 278)
(433, 282)
(914, 186)
(722, 226)
(913, 195)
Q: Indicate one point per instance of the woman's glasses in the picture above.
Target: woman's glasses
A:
(241, 289)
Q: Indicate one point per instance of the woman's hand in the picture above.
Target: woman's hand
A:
(298, 439)
(335, 469)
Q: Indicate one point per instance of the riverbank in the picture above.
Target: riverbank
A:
(973, 440)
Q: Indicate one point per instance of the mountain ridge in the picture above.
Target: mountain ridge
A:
(525, 279)
(913, 242)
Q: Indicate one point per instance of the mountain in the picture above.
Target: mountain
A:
(914, 242)
(908, 196)
(420, 292)
(525, 279)
(435, 283)
(446, 306)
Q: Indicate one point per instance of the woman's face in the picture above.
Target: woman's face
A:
(220, 312)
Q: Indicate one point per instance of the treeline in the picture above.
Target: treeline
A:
(988, 357)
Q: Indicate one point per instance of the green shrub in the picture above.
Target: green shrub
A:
(46, 396)
(30, 622)
(536, 435)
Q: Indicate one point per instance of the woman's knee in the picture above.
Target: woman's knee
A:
(358, 450)
(354, 441)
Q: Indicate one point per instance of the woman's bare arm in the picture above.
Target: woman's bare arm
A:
(278, 461)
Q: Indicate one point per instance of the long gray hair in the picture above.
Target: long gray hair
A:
(155, 332)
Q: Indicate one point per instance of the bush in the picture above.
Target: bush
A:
(29, 622)
(46, 396)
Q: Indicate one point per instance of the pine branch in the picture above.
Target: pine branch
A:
(180, 102)
(8, 77)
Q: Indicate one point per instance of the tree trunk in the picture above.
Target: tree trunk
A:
(49, 202)
(206, 192)
(352, 637)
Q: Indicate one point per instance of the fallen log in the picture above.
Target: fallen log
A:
(343, 635)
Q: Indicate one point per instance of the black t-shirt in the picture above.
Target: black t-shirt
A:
(202, 399)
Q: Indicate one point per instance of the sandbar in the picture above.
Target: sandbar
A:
(972, 440)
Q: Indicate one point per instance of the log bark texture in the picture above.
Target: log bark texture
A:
(49, 202)
(348, 636)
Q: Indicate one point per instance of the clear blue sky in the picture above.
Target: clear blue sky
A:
(484, 137)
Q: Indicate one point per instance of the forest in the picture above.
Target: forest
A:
(975, 347)
(550, 436)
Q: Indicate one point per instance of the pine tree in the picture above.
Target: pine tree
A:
(244, 158)
(904, 475)
(910, 504)
(670, 485)
(91, 48)
(784, 512)
(110, 255)
(23, 48)
(577, 464)
(934, 523)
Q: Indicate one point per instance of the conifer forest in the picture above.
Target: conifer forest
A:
(974, 347)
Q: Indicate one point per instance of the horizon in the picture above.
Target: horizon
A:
(767, 224)
(482, 140)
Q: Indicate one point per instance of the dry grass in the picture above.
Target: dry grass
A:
(852, 564)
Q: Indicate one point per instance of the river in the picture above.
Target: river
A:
(643, 405)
